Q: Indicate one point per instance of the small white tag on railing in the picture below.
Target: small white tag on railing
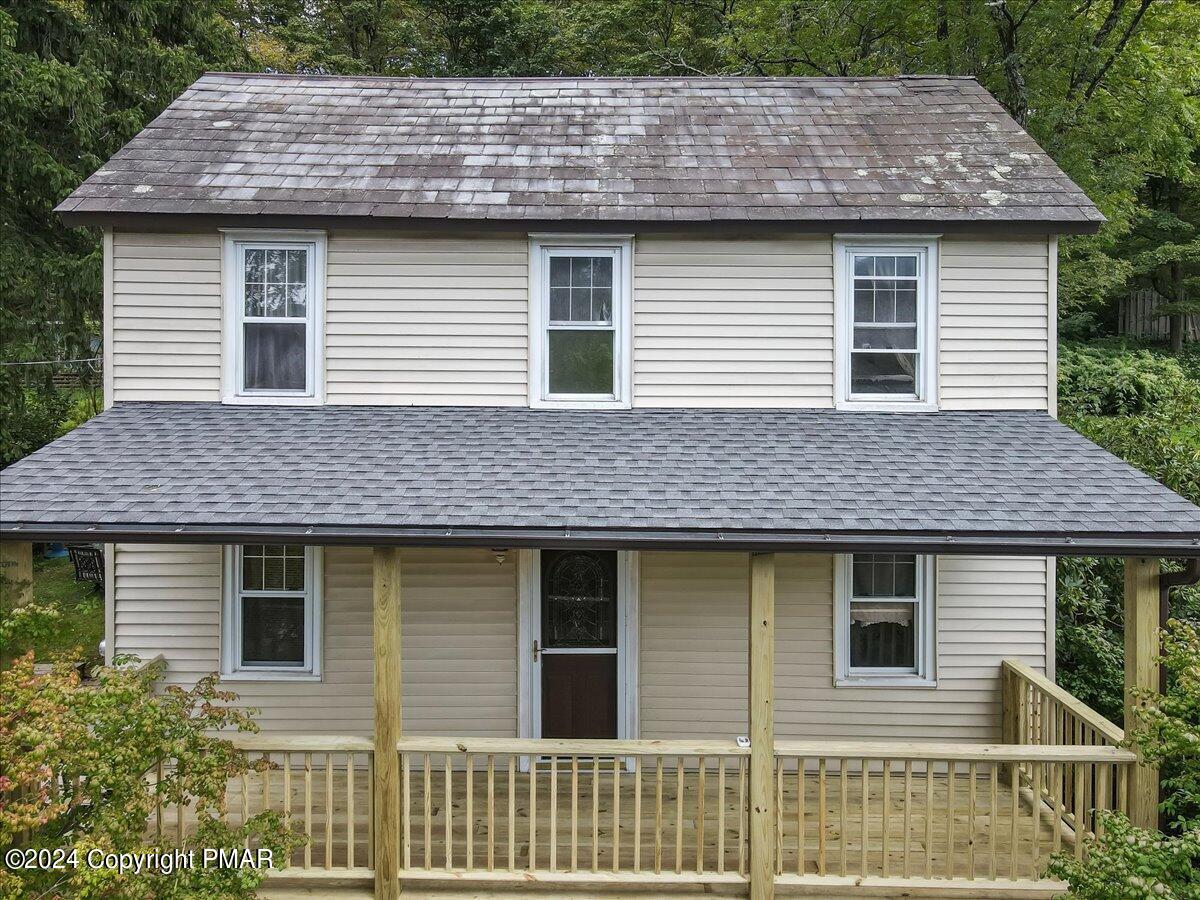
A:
(742, 741)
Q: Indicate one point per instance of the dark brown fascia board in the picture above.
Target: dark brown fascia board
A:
(178, 222)
(975, 543)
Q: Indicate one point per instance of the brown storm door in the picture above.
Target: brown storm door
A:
(579, 644)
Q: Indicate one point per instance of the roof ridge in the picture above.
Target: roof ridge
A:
(591, 79)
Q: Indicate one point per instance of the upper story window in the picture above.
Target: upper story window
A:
(580, 315)
(275, 289)
(272, 611)
(886, 301)
(885, 619)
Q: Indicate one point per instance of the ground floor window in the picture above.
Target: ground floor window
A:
(271, 622)
(885, 618)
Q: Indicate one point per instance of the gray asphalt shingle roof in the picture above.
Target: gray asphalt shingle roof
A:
(361, 470)
(912, 149)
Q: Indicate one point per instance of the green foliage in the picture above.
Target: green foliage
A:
(1133, 864)
(1167, 726)
(1088, 632)
(1096, 381)
(1129, 862)
(73, 758)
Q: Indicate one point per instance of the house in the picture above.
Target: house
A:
(610, 483)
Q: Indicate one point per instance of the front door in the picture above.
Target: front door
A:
(578, 644)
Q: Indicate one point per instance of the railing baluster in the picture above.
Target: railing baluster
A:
(972, 776)
(448, 809)
(1037, 819)
(616, 814)
(843, 831)
(821, 791)
(328, 810)
(554, 813)
(778, 775)
(993, 819)
(405, 805)
(951, 774)
(595, 813)
(308, 810)
(700, 811)
(1079, 826)
(427, 798)
(886, 818)
(678, 815)
(574, 813)
(491, 812)
(801, 802)
(908, 777)
(1014, 831)
(512, 813)
(350, 809)
(533, 766)
(865, 807)
(658, 814)
(470, 812)
(371, 809)
(742, 813)
(287, 791)
(637, 814)
(720, 815)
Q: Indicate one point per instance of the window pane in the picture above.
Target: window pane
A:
(580, 362)
(906, 266)
(276, 301)
(883, 636)
(274, 356)
(273, 631)
(884, 575)
(275, 271)
(254, 266)
(906, 304)
(885, 265)
(255, 294)
(560, 271)
(579, 598)
(864, 265)
(589, 298)
(883, 373)
(902, 337)
(297, 266)
(272, 567)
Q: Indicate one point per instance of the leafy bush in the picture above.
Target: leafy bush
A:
(73, 758)
(1098, 381)
(1089, 634)
(1136, 863)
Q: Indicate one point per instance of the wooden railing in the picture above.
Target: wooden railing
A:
(945, 811)
(573, 810)
(321, 785)
(1039, 713)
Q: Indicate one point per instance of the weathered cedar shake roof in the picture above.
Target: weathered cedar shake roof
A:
(663, 150)
(512, 476)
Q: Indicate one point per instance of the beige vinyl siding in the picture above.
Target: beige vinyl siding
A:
(693, 650)
(458, 628)
(166, 308)
(733, 322)
(994, 327)
(427, 320)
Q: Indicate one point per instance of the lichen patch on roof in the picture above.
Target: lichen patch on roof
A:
(913, 149)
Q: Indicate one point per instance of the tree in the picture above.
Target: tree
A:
(77, 80)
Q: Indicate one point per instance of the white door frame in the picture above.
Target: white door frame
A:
(529, 670)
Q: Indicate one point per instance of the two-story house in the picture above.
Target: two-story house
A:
(610, 482)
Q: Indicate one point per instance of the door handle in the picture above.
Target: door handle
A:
(536, 651)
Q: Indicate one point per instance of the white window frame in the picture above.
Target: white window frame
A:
(541, 248)
(231, 620)
(845, 248)
(925, 616)
(232, 278)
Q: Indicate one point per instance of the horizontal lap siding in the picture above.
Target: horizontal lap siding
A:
(733, 322)
(166, 316)
(458, 626)
(994, 324)
(427, 320)
(693, 650)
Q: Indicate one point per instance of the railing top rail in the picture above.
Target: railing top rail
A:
(943, 752)
(301, 743)
(556, 747)
(1071, 703)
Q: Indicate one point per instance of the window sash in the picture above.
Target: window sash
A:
(234, 631)
(616, 324)
(242, 318)
(924, 639)
(922, 379)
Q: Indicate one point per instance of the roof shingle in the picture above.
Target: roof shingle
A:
(791, 472)
(912, 149)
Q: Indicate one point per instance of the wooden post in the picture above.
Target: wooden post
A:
(1141, 646)
(763, 815)
(16, 579)
(387, 722)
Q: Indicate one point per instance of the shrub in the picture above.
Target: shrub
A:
(73, 759)
(1098, 381)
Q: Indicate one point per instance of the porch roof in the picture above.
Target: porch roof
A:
(1000, 482)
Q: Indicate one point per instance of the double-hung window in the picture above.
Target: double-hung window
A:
(274, 314)
(885, 619)
(580, 323)
(887, 310)
(271, 625)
